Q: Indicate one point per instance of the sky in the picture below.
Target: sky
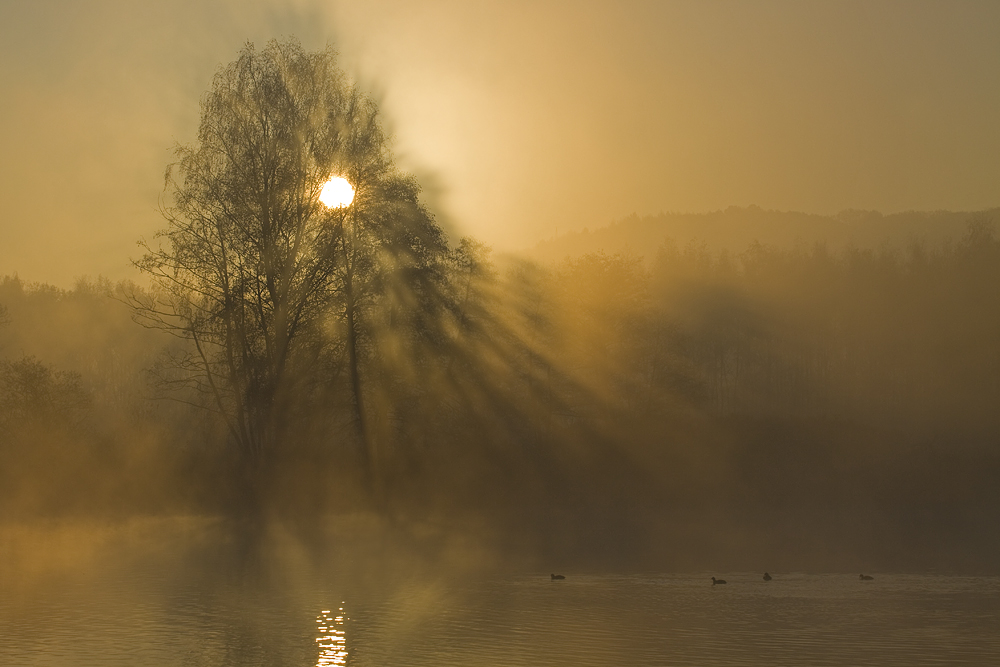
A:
(521, 119)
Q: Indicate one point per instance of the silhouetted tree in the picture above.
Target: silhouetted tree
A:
(273, 291)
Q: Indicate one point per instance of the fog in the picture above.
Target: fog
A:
(663, 288)
(804, 408)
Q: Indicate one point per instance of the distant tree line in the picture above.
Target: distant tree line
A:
(573, 390)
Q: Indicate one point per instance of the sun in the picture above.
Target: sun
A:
(337, 193)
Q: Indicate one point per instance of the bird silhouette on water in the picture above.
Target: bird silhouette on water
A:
(865, 577)
(767, 577)
(717, 581)
(557, 576)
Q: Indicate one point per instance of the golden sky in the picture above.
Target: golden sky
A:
(520, 118)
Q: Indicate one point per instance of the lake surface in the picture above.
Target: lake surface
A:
(209, 605)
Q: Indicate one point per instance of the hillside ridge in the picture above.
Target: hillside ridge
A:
(736, 228)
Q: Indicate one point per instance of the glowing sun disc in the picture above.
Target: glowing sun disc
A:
(337, 193)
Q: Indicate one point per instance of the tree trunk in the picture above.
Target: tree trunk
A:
(369, 456)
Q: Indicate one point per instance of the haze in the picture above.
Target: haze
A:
(521, 119)
(645, 333)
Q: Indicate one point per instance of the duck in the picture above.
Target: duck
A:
(717, 581)
(865, 577)
(767, 577)
(557, 576)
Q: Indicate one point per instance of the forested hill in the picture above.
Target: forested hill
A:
(735, 228)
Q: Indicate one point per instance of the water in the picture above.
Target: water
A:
(123, 604)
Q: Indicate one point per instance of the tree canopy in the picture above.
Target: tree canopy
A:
(276, 293)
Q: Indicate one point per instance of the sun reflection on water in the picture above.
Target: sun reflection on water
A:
(332, 640)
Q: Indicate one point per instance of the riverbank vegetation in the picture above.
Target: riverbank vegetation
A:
(762, 402)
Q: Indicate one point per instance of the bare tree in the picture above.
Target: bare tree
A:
(259, 277)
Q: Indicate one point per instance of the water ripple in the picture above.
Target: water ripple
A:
(157, 617)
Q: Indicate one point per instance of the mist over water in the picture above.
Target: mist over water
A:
(639, 430)
(328, 432)
(184, 592)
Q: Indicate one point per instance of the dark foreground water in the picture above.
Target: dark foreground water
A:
(76, 601)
